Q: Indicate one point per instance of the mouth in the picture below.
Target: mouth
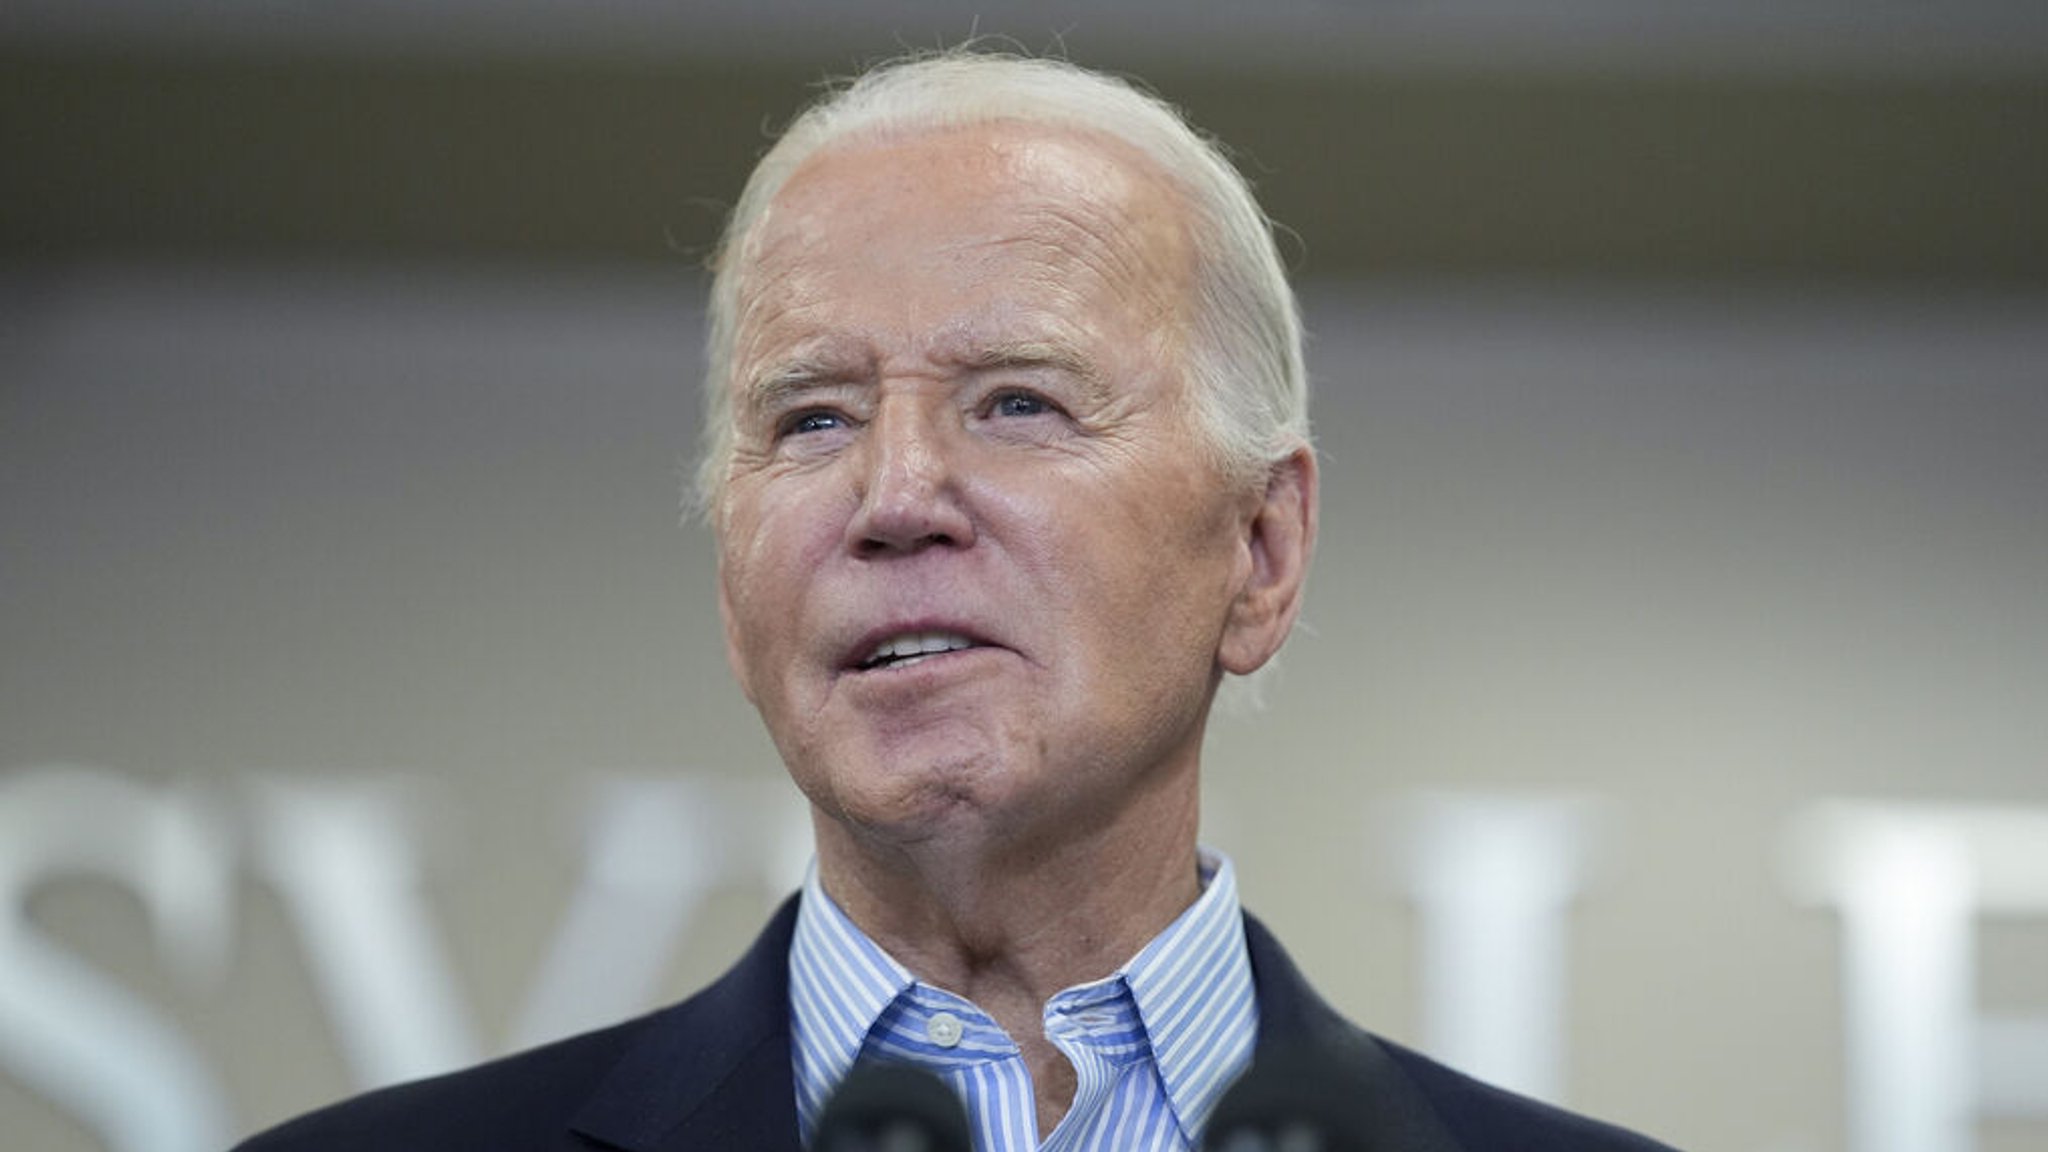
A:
(906, 648)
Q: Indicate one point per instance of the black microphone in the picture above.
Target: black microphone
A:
(892, 1108)
(1303, 1098)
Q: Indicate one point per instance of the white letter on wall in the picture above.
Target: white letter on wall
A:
(343, 856)
(69, 1032)
(653, 850)
(1493, 878)
(1909, 881)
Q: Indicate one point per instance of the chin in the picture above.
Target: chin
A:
(934, 800)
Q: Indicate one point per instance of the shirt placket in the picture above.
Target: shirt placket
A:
(1097, 1031)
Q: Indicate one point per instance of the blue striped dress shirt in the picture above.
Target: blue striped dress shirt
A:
(1153, 1045)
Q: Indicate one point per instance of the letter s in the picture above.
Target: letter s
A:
(70, 1033)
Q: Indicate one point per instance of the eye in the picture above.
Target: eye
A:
(1019, 404)
(810, 420)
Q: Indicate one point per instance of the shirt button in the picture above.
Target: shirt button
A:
(944, 1029)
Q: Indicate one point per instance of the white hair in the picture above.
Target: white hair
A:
(1249, 386)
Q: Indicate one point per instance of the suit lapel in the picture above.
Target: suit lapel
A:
(1291, 1016)
(712, 1072)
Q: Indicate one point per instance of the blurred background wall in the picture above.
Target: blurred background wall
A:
(1667, 732)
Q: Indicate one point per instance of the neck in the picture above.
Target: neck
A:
(1032, 917)
(1010, 923)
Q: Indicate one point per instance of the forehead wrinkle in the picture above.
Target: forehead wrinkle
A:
(1070, 250)
(1112, 243)
(1142, 258)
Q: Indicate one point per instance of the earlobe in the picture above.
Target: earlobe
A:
(1280, 539)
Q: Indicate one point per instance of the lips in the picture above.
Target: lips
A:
(907, 640)
(900, 649)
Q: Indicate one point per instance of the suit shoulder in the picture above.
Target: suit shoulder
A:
(512, 1104)
(1485, 1117)
(621, 1078)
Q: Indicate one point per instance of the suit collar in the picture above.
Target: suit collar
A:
(713, 1071)
(1292, 1017)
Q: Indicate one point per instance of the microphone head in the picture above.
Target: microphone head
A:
(1297, 1099)
(892, 1108)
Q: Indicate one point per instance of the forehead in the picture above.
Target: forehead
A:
(1004, 217)
(1007, 164)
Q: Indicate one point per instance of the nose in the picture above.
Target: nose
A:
(908, 472)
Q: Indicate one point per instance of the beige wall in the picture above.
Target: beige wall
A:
(1698, 559)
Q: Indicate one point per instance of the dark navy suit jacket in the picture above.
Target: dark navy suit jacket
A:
(713, 1073)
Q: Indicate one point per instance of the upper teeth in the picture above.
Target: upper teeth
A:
(916, 644)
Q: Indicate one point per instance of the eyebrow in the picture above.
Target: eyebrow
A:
(774, 387)
(1025, 354)
(1031, 355)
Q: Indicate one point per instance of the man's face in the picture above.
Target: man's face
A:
(977, 566)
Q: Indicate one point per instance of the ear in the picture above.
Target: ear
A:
(1279, 539)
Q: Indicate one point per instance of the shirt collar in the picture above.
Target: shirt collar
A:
(1193, 988)
(1191, 984)
(840, 983)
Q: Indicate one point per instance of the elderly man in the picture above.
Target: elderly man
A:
(1008, 463)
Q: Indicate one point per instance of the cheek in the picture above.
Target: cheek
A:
(773, 526)
(744, 641)
(773, 545)
(1167, 575)
(747, 574)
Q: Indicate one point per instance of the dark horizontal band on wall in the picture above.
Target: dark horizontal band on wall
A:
(1839, 177)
